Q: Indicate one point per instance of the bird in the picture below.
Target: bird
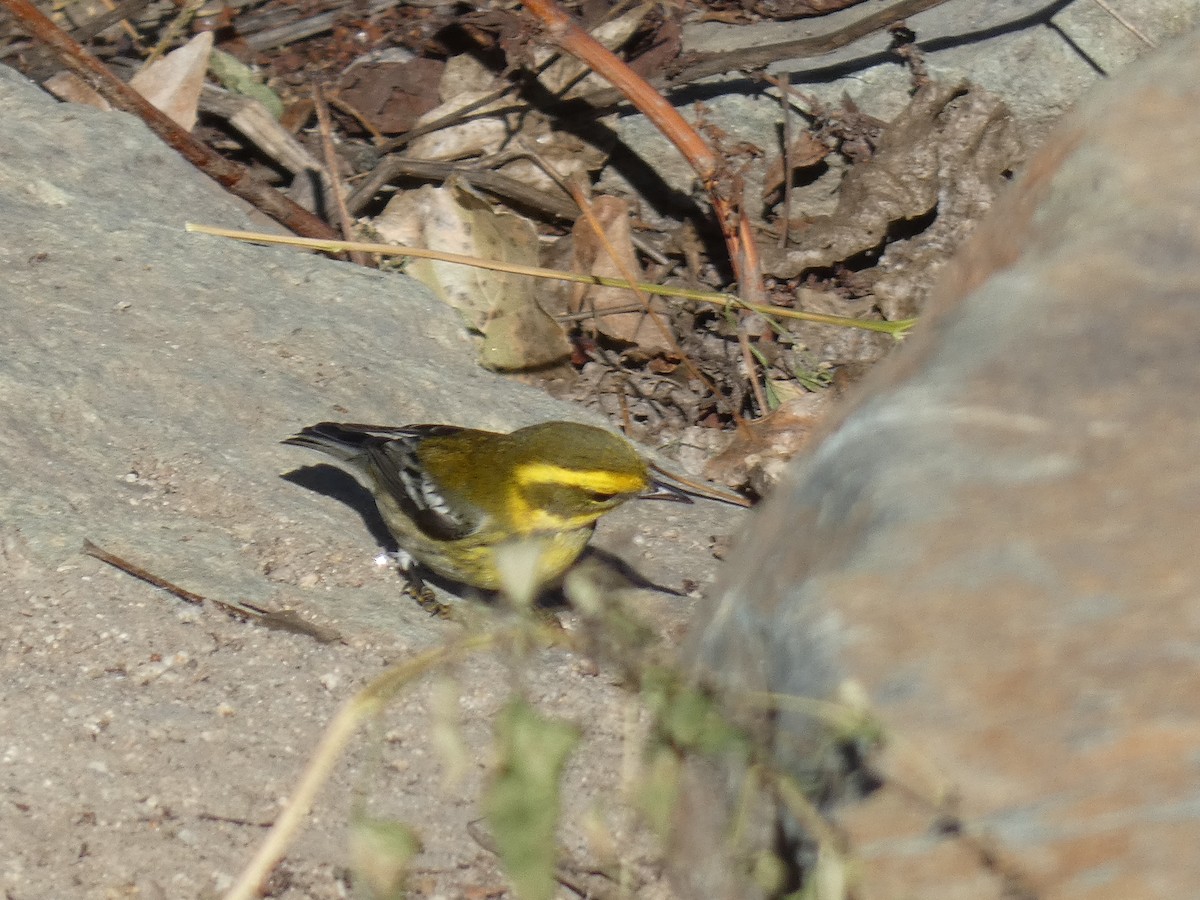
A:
(454, 498)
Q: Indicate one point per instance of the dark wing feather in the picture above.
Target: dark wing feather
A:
(388, 454)
(396, 469)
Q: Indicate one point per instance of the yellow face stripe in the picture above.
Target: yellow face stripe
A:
(600, 481)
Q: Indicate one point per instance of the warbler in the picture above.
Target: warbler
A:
(453, 497)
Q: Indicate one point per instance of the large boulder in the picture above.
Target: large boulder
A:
(998, 543)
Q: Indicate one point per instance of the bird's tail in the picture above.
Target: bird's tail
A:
(343, 442)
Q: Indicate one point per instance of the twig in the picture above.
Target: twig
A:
(502, 186)
(253, 122)
(472, 110)
(104, 21)
(702, 489)
(232, 176)
(897, 328)
(174, 28)
(752, 372)
(739, 237)
(783, 83)
(1129, 26)
(281, 620)
(307, 27)
(359, 116)
(695, 66)
(332, 176)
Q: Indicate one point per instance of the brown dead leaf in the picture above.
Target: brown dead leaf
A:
(759, 452)
(392, 93)
(173, 83)
(595, 256)
(947, 133)
(517, 333)
(806, 151)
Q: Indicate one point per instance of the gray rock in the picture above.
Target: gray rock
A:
(146, 378)
(998, 544)
(148, 374)
(1037, 56)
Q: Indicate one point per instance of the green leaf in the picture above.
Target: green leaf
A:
(686, 717)
(236, 76)
(381, 854)
(658, 790)
(522, 801)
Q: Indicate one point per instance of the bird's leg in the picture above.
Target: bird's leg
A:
(415, 586)
(423, 594)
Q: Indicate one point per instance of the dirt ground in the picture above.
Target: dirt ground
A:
(148, 744)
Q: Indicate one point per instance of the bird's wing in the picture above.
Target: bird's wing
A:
(397, 470)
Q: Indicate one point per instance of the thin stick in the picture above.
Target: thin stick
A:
(701, 489)
(172, 31)
(121, 12)
(695, 66)
(897, 329)
(785, 91)
(233, 177)
(503, 186)
(280, 620)
(752, 372)
(332, 177)
(739, 237)
(150, 578)
(1129, 26)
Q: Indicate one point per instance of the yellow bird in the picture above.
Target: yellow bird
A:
(453, 497)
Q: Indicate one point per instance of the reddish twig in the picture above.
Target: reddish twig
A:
(233, 177)
(743, 251)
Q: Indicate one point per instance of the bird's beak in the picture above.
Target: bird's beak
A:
(659, 490)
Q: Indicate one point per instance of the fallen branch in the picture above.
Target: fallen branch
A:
(234, 178)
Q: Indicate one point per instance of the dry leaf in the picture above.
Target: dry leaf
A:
(391, 91)
(517, 332)
(950, 139)
(173, 83)
(760, 451)
(464, 82)
(806, 151)
(70, 88)
(594, 256)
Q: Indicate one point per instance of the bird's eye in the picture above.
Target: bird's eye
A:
(600, 496)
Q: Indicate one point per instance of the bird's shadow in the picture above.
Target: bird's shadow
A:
(340, 485)
(344, 487)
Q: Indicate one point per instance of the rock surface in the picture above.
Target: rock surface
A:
(1038, 57)
(146, 379)
(998, 544)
